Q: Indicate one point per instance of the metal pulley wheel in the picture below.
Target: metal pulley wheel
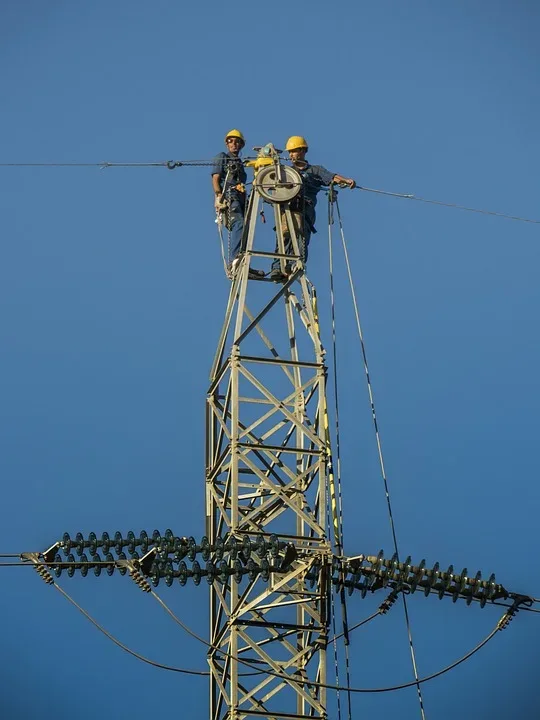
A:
(278, 183)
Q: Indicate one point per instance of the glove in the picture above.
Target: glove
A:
(219, 204)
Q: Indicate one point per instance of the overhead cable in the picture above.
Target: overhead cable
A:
(169, 164)
(121, 645)
(173, 164)
(381, 459)
(501, 625)
(455, 206)
(377, 613)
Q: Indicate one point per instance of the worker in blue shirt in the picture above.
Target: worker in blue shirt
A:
(302, 207)
(228, 183)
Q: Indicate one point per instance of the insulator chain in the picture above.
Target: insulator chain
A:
(371, 573)
(163, 557)
(169, 557)
(168, 543)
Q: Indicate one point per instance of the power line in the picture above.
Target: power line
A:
(206, 673)
(173, 164)
(357, 625)
(420, 680)
(169, 164)
(501, 624)
(121, 645)
(455, 206)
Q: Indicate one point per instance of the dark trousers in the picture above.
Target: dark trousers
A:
(303, 224)
(236, 208)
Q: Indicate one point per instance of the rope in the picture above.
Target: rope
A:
(331, 198)
(334, 372)
(219, 221)
(381, 459)
(335, 638)
(222, 243)
(449, 205)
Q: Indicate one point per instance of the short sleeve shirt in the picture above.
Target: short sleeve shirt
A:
(315, 177)
(224, 164)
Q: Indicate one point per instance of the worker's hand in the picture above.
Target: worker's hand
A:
(219, 204)
(347, 182)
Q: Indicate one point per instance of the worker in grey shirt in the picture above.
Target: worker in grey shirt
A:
(314, 177)
(228, 183)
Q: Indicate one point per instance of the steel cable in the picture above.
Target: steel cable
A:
(281, 676)
(121, 645)
(312, 683)
(346, 688)
(455, 206)
(334, 640)
(173, 164)
(338, 437)
(380, 454)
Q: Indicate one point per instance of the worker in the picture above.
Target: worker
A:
(228, 179)
(303, 205)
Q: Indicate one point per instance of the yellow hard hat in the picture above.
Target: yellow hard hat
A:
(235, 133)
(295, 142)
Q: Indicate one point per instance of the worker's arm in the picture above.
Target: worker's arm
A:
(216, 185)
(340, 180)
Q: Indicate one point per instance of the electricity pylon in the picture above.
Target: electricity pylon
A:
(267, 459)
(273, 553)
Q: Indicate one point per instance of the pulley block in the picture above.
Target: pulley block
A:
(278, 183)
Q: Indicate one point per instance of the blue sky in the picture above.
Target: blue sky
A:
(112, 296)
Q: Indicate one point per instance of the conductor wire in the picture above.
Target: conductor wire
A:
(313, 683)
(455, 206)
(282, 676)
(121, 645)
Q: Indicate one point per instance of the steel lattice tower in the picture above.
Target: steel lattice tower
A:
(267, 458)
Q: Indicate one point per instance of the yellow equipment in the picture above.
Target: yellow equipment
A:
(265, 156)
(235, 134)
(295, 142)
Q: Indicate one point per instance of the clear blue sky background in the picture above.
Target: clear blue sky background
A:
(112, 296)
